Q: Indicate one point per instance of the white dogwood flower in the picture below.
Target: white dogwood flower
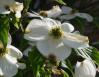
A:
(8, 61)
(85, 68)
(66, 13)
(54, 38)
(4, 4)
(17, 8)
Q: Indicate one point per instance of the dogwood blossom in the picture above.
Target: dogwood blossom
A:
(17, 8)
(8, 61)
(54, 38)
(4, 4)
(85, 68)
(66, 13)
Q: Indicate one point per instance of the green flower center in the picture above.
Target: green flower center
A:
(56, 32)
(3, 51)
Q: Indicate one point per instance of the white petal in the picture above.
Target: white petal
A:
(66, 9)
(75, 40)
(8, 68)
(51, 23)
(54, 12)
(18, 14)
(26, 51)
(13, 51)
(21, 65)
(85, 69)
(6, 2)
(67, 27)
(67, 17)
(86, 16)
(54, 47)
(17, 6)
(38, 29)
(11, 59)
(4, 11)
(1, 73)
(63, 64)
(9, 39)
(34, 14)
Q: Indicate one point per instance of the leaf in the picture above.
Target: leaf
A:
(4, 29)
(15, 21)
(79, 23)
(61, 2)
(36, 61)
(65, 74)
(26, 5)
(68, 70)
(95, 55)
(96, 22)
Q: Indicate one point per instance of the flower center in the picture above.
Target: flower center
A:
(43, 13)
(56, 32)
(3, 51)
(74, 11)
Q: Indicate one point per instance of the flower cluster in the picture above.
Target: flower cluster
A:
(57, 39)
(53, 36)
(8, 60)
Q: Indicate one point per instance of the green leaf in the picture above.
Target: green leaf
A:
(61, 2)
(79, 23)
(96, 22)
(95, 55)
(26, 5)
(15, 21)
(68, 70)
(4, 29)
(65, 74)
(36, 61)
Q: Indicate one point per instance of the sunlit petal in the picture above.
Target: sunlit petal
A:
(75, 40)
(13, 51)
(54, 47)
(85, 69)
(37, 30)
(67, 27)
(8, 68)
(54, 12)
